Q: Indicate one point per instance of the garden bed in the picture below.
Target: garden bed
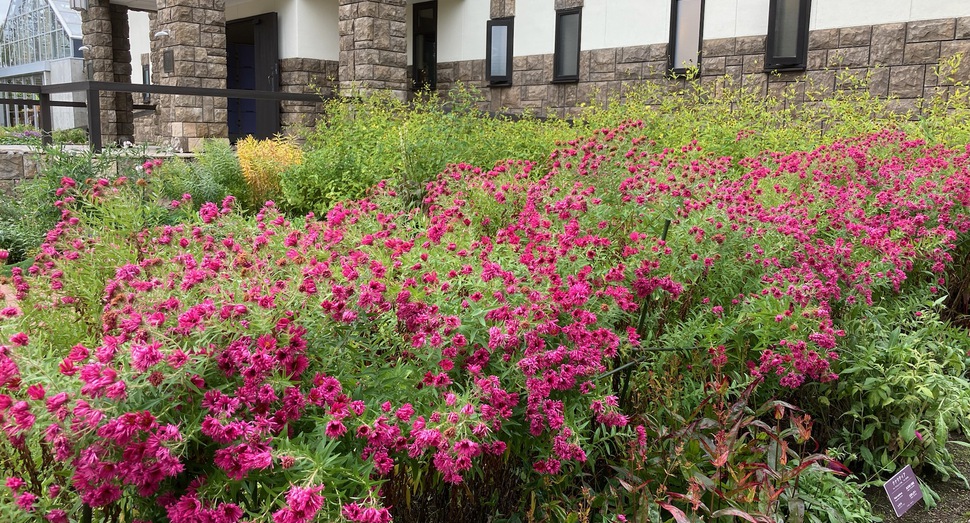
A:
(711, 316)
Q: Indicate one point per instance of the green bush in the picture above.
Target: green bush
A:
(26, 218)
(363, 141)
(902, 390)
(210, 177)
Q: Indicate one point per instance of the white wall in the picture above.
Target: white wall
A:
(535, 28)
(729, 18)
(827, 14)
(622, 23)
(308, 28)
(139, 34)
(461, 29)
(318, 29)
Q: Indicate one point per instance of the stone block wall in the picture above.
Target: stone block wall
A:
(105, 33)
(900, 60)
(310, 76)
(197, 40)
(373, 46)
(17, 163)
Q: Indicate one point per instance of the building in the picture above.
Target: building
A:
(544, 55)
(40, 43)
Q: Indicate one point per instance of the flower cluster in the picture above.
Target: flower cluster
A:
(226, 351)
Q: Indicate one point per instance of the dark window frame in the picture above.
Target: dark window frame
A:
(557, 74)
(431, 83)
(146, 78)
(799, 62)
(672, 68)
(505, 79)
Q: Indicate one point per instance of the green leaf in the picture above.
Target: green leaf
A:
(908, 430)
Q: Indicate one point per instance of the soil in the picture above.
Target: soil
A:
(953, 506)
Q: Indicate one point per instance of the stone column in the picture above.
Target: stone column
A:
(105, 32)
(122, 113)
(194, 41)
(373, 46)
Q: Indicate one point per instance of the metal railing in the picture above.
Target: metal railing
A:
(93, 92)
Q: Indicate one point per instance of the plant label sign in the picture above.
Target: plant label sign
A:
(903, 490)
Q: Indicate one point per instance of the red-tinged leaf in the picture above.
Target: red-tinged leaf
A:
(676, 513)
(736, 513)
(627, 486)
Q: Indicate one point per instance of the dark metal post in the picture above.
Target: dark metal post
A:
(46, 123)
(94, 120)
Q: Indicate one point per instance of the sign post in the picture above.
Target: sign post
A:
(903, 490)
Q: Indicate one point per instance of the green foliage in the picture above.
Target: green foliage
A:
(211, 176)
(26, 218)
(902, 389)
(363, 141)
(725, 461)
(26, 135)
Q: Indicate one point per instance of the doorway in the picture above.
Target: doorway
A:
(425, 45)
(252, 60)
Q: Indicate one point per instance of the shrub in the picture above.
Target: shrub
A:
(361, 142)
(211, 176)
(902, 391)
(25, 219)
(263, 162)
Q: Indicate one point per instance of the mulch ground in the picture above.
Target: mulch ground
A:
(953, 506)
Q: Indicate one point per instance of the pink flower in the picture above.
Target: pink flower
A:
(362, 514)
(335, 429)
(302, 505)
(26, 501)
(14, 483)
(36, 392)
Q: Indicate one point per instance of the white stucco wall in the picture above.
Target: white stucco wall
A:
(461, 29)
(535, 28)
(622, 23)
(318, 29)
(729, 18)
(139, 34)
(308, 28)
(827, 14)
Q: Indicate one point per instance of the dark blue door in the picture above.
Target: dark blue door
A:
(252, 59)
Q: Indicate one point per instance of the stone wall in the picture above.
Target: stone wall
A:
(196, 41)
(17, 163)
(373, 46)
(305, 75)
(900, 60)
(105, 30)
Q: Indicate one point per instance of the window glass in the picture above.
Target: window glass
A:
(786, 29)
(687, 28)
(499, 51)
(567, 45)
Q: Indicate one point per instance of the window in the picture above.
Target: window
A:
(425, 45)
(566, 61)
(498, 58)
(686, 35)
(146, 79)
(787, 42)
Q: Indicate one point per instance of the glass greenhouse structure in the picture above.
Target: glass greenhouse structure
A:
(35, 33)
